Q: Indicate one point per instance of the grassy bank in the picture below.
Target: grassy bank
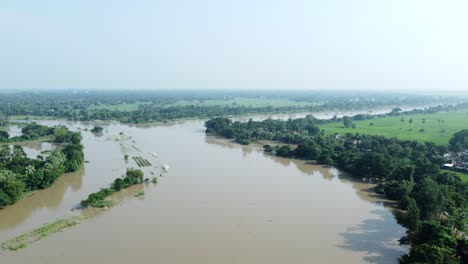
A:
(44, 231)
(29, 141)
(437, 127)
(31, 117)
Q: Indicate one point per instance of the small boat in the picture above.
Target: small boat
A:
(154, 154)
(165, 167)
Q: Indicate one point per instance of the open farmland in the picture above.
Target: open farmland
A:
(437, 127)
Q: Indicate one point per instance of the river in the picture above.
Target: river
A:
(219, 203)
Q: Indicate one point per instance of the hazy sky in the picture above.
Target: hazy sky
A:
(290, 44)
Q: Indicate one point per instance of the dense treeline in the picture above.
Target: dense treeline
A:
(459, 140)
(98, 199)
(435, 203)
(20, 174)
(160, 106)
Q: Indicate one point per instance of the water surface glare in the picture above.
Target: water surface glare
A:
(219, 203)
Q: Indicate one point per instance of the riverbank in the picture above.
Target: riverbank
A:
(214, 191)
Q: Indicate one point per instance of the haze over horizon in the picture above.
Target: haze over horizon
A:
(334, 45)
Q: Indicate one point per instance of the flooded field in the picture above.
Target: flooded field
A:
(218, 202)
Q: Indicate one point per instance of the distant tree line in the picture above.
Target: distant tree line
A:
(20, 174)
(159, 106)
(435, 203)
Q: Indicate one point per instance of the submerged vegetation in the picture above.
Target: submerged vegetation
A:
(141, 162)
(435, 202)
(97, 129)
(98, 199)
(20, 174)
(44, 231)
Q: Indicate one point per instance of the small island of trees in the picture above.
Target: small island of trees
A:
(98, 199)
(97, 129)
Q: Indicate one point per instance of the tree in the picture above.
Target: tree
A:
(459, 140)
(430, 198)
(74, 157)
(410, 219)
(347, 122)
(134, 176)
(431, 243)
(97, 129)
(284, 151)
(3, 120)
(410, 121)
(308, 149)
(268, 148)
(5, 154)
(11, 188)
(396, 110)
(76, 137)
(4, 136)
(398, 190)
(18, 152)
(118, 184)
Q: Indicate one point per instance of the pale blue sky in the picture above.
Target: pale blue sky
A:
(289, 44)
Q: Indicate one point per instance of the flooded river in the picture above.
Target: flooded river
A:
(219, 203)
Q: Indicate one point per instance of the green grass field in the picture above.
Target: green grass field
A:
(252, 102)
(463, 176)
(438, 127)
(117, 107)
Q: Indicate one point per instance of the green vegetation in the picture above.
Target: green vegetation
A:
(434, 202)
(46, 230)
(140, 194)
(20, 174)
(98, 199)
(97, 129)
(431, 127)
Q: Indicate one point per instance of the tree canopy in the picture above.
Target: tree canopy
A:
(459, 140)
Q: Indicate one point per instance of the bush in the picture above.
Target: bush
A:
(97, 129)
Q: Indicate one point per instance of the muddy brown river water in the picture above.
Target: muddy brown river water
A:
(219, 203)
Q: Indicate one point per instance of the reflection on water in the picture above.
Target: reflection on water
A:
(50, 198)
(363, 190)
(375, 238)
